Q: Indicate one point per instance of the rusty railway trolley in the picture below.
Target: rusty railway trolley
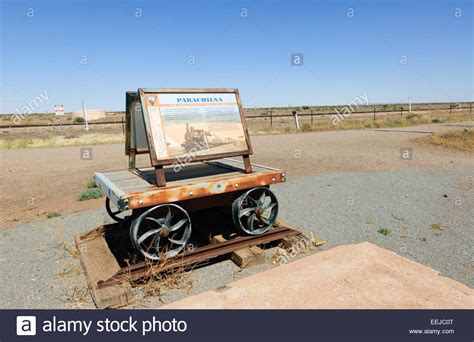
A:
(190, 136)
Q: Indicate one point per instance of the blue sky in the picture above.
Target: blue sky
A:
(236, 44)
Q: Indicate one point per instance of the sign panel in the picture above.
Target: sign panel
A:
(59, 109)
(194, 125)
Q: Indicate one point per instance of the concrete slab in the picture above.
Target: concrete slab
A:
(361, 276)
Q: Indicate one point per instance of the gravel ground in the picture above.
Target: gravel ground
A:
(340, 208)
(429, 215)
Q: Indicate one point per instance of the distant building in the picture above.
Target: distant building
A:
(92, 114)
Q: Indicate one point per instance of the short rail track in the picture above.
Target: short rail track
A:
(110, 284)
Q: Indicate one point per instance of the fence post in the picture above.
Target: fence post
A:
(470, 108)
(297, 124)
(123, 127)
(374, 113)
(450, 107)
(271, 119)
(401, 112)
(311, 117)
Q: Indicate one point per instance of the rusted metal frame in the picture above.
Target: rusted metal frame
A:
(155, 161)
(203, 158)
(160, 176)
(247, 164)
(244, 121)
(198, 255)
(213, 201)
(246, 157)
(142, 151)
(217, 185)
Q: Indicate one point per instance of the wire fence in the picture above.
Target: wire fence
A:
(293, 114)
(373, 113)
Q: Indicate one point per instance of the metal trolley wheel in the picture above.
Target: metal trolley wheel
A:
(255, 211)
(161, 232)
(114, 212)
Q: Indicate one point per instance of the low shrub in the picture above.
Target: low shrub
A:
(90, 193)
(91, 183)
(384, 231)
(51, 214)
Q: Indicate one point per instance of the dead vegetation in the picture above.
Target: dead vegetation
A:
(62, 140)
(76, 291)
(63, 247)
(459, 140)
(76, 288)
(160, 279)
(93, 234)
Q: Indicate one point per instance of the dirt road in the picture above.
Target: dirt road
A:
(37, 180)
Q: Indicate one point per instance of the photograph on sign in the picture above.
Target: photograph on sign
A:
(196, 124)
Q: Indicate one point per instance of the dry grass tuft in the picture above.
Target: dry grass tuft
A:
(97, 232)
(55, 141)
(458, 140)
(65, 253)
(160, 279)
(63, 246)
(76, 287)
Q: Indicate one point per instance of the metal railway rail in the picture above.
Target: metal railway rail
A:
(197, 255)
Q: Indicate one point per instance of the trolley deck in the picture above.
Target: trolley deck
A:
(135, 188)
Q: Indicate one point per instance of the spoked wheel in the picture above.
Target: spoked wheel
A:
(115, 213)
(161, 232)
(255, 211)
